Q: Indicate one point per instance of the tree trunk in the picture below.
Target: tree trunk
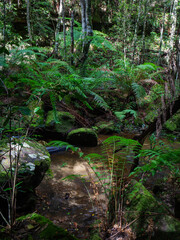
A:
(161, 36)
(135, 31)
(57, 31)
(72, 37)
(28, 19)
(64, 28)
(144, 30)
(173, 29)
(4, 29)
(124, 30)
(87, 32)
(177, 74)
(170, 111)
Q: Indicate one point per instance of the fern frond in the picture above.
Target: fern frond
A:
(99, 101)
(148, 67)
(138, 90)
(121, 115)
(53, 103)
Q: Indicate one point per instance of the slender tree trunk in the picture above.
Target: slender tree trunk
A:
(135, 31)
(72, 36)
(64, 28)
(161, 36)
(87, 32)
(28, 19)
(177, 72)
(4, 29)
(124, 30)
(173, 29)
(144, 30)
(57, 31)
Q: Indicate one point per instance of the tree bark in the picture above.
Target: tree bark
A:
(64, 28)
(170, 111)
(147, 2)
(87, 32)
(135, 31)
(173, 29)
(161, 36)
(72, 37)
(57, 31)
(28, 19)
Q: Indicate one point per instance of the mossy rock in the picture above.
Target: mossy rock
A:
(33, 162)
(63, 124)
(36, 227)
(151, 217)
(83, 137)
(105, 127)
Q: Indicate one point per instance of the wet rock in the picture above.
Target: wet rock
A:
(105, 127)
(62, 125)
(33, 160)
(150, 217)
(83, 137)
(35, 226)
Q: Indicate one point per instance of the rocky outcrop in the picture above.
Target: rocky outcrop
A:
(151, 218)
(63, 123)
(85, 137)
(35, 226)
(105, 127)
(31, 160)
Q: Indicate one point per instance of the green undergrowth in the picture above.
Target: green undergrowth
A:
(35, 227)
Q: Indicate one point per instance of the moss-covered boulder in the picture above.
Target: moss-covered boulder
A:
(105, 127)
(36, 227)
(150, 217)
(83, 137)
(31, 160)
(63, 123)
(32, 157)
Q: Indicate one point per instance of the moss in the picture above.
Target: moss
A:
(105, 127)
(43, 229)
(65, 122)
(48, 229)
(142, 206)
(83, 137)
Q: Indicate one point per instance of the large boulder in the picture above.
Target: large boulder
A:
(149, 218)
(85, 137)
(105, 127)
(63, 123)
(35, 226)
(33, 160)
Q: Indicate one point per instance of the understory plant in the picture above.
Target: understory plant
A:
(111, 170)
(160, 157)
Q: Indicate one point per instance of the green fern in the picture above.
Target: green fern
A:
(157, 158)
(121, 115)
(99, 101)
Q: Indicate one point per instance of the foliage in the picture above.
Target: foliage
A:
(158, 158)
(110, 168)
